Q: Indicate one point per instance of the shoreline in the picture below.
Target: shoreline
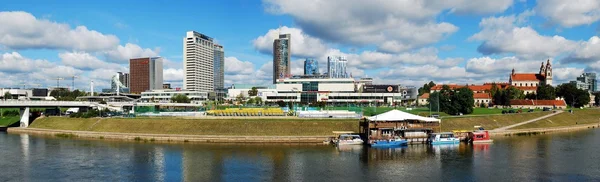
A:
(168, 137)
(541, 131)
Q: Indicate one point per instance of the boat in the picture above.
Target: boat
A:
(442, 138)
(389, 143)
(481, 136)
(348, 139)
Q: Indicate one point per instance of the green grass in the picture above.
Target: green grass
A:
(579, 116)
(487, 121)
(240, 127)
(9, 120)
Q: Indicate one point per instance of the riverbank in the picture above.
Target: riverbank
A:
(541, 131)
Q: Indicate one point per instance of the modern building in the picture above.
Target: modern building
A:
(219, 67)
(528, 82)
(117, 85)
(124, 78)
(586, 81)
(145, 74)
(336, 67)
(282, 57)
(199, 62)
(311, 67)
(164, 96)
(166, 86)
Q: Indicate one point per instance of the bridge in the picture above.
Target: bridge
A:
(25, 105)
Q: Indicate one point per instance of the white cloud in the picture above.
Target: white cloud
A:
(302, 45)
(173, 75)
(85, 61)
(129, 51)
(500, 35)
(234, 66)
(569, 13)
(15, 63)
(586, 52)
(503, 66)
(392, 26)
(564, 74)
(22, 30)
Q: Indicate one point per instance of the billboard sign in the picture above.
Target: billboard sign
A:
(380, 88)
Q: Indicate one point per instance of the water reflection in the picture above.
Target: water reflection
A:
(564, 157)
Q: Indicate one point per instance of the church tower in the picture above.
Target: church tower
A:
(548, 72)
(542, 69)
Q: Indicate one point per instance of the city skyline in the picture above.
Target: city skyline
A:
(446, 43)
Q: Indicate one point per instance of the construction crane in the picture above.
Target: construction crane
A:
(73, 82)
(58, 81)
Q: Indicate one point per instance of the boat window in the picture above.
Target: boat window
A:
(479, 136)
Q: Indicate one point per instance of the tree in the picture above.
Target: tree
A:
(546, 92)
(494, 89)
(180, 98)
(426, 88)
(250, 101)
(433, 101)
(463, 101)
(240, 98)
(597, 98)
(258, 100)
(573, 96)
(7, 95)
(253, 91)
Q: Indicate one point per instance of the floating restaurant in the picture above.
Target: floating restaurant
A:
(395, 123)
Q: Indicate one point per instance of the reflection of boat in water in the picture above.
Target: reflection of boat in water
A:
(442, 138)
(348, 139)
(396, 142)
(350, 148)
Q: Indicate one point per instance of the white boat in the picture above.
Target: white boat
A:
(347, 139)
(443, 138)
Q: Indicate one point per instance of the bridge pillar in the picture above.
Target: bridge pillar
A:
(24, 112)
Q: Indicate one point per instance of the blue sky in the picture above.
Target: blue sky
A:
(405, 42)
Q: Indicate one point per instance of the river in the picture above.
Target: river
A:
(560, 157)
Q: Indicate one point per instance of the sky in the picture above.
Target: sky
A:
(407, 42)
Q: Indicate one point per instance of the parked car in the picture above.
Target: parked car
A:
(547, 109)
(530, 110)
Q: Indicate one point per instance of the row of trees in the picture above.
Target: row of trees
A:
(453, 102)
(66, 95)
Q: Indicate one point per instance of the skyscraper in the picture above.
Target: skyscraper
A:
(336, 67)
(145, 74)
(199, 57)
(311, 67)
(124, 78)
(281, 57)
(219, 69)
(586, 81)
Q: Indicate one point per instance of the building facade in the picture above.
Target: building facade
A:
(528, 82)
(282, 57)
(219, 67)
(198, 62)
(164, 96)
(117, 85)
(145, 74)
(586, 81)
(336, 67)
(311, 67)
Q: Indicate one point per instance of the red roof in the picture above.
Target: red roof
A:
(526, 77)
(538, 102)
(481, 96)
(424, 96)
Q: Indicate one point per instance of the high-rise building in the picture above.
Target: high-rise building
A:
(586, 81)
(336, 67)
(219, 67)
(145, 74)
(311, 67)
(198, 62)
(124, 78)
(281, 57)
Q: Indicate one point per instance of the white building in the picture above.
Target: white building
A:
(198, 62)
(20, 94)
(164, 96)
(336, 67)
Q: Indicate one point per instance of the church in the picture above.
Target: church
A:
(528, 82)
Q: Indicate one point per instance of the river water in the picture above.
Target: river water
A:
(556, 157)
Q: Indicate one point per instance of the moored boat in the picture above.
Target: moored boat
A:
(389, 143)
(442, 138)
(348, 139)
(479, 137)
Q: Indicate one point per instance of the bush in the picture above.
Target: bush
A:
(11, 113)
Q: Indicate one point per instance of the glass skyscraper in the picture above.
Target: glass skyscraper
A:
(281, 57)
(586, 81)
(311, 67)
(336, 67)
(219, 67)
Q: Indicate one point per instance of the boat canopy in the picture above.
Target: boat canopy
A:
(396, 115)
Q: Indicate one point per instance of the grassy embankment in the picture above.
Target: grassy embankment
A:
(487, 121)
(241, 127)
(9, 120)
(579, 116)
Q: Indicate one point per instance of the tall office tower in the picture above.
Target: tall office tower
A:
(311, 67)
(281, 57)
(124, 78)
(198, 62)
(219, 70)
(145, 74)
(586, 81)
(336, 67)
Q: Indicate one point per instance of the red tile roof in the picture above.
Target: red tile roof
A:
(424, 96)
(481, 96)
(526, 77)
(538, 102)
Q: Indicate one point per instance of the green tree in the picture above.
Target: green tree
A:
(258, 100)
(433, 101)
(426, 88)
(180, 98)
(250, 101)
(253, 91)
(494, 89)
(462, 101)
(573, 96)
(546, 92)
(7, 95)
(240, 98)
(597, 98)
